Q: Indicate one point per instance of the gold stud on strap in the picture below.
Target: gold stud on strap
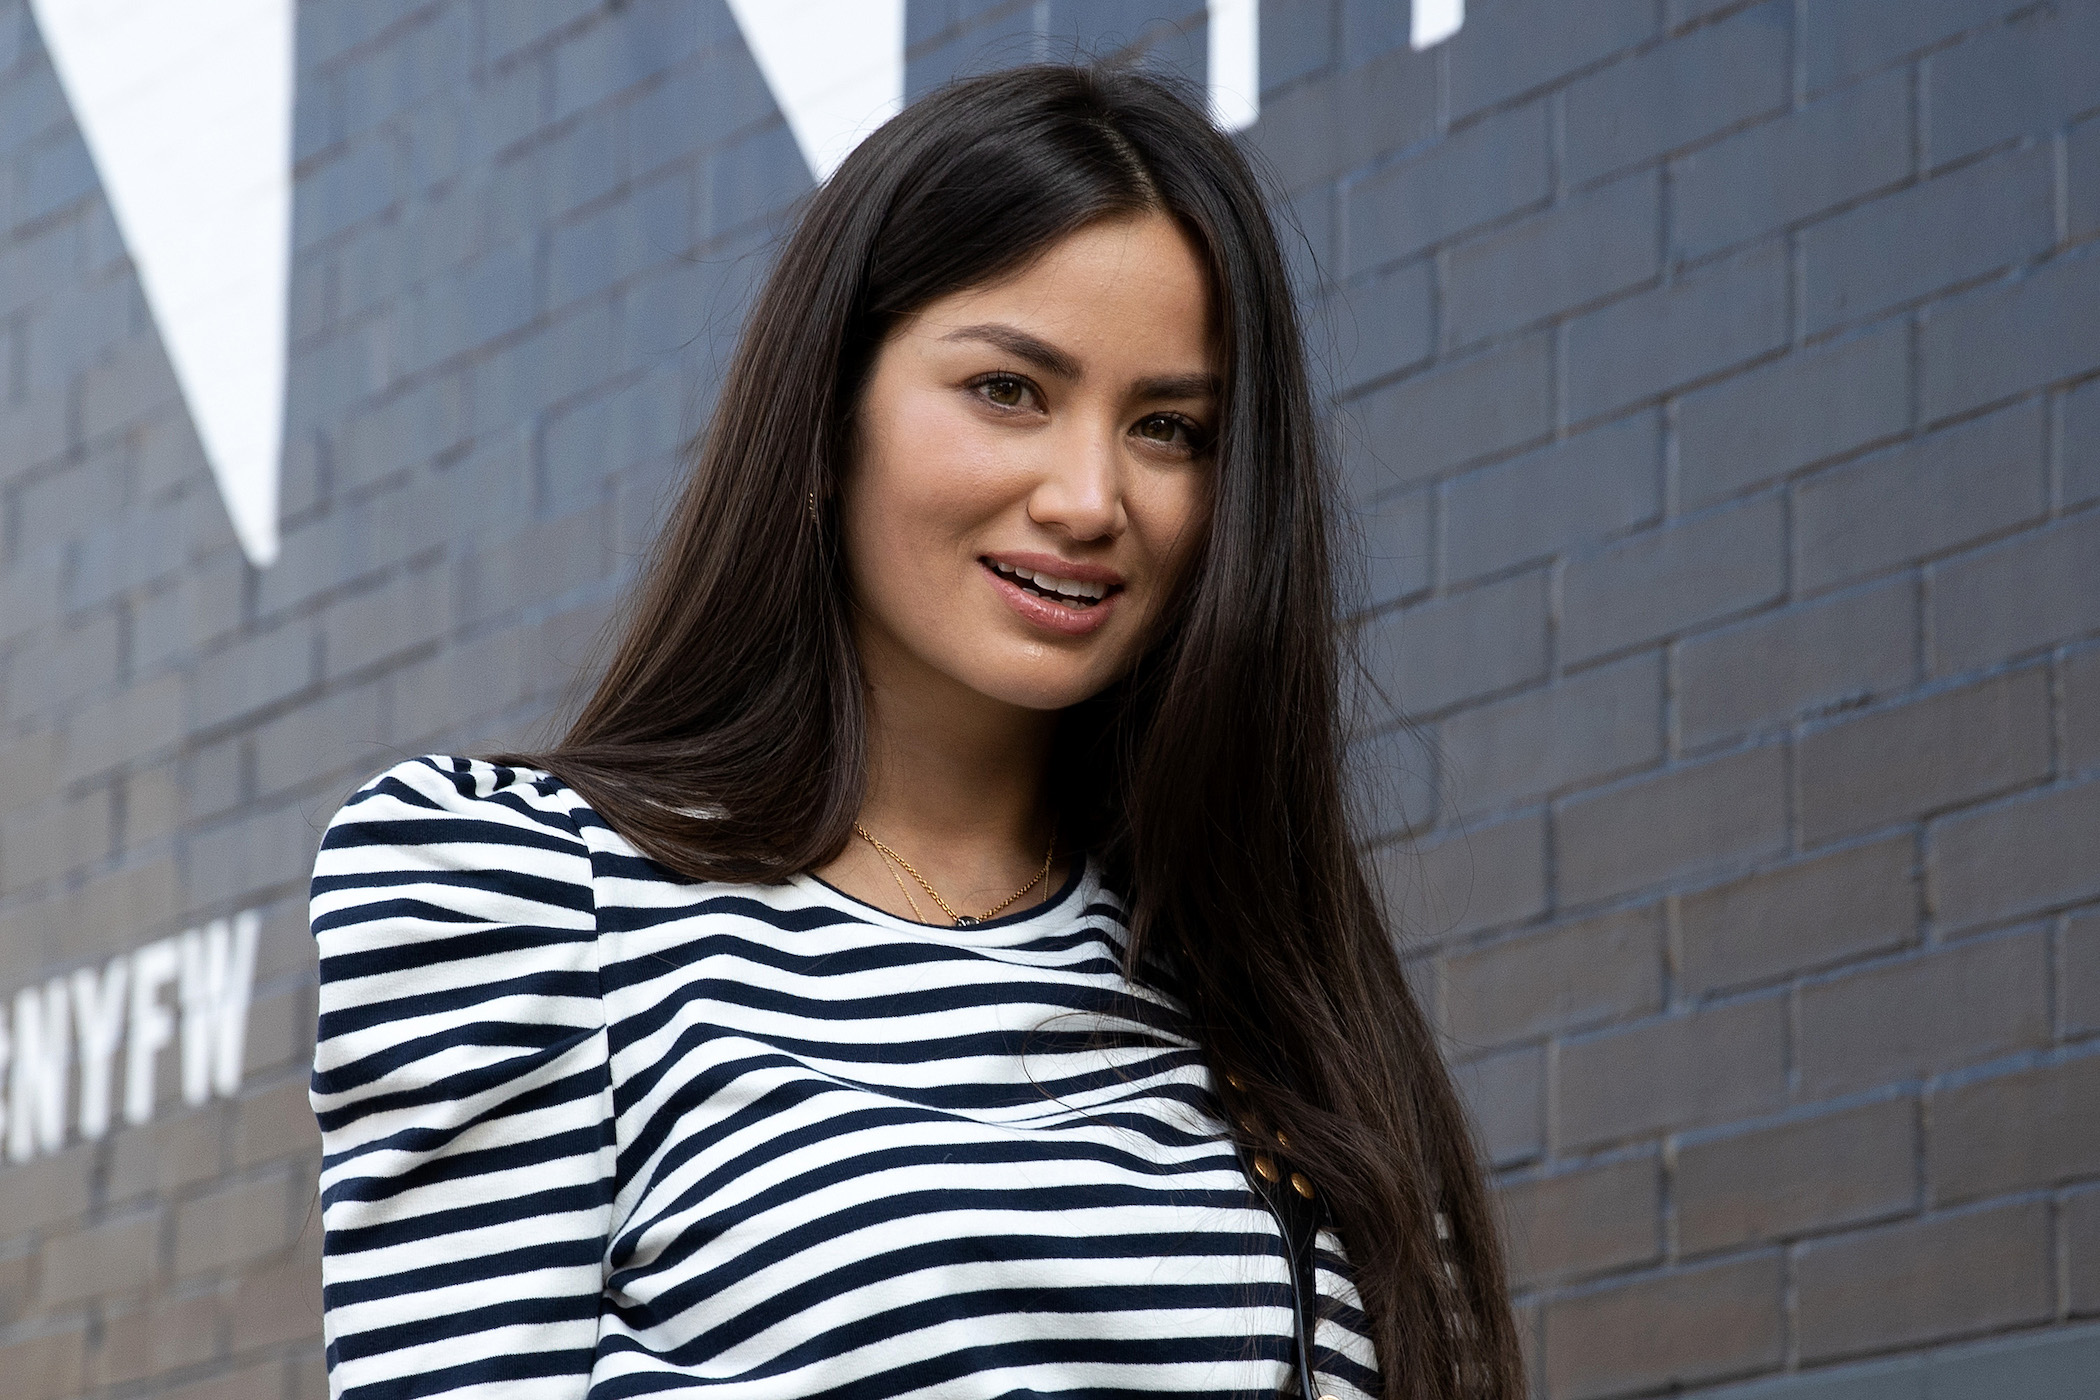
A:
(1282, 1141)
(1266, 1167)
(1234, 1080)
(1302, 1185)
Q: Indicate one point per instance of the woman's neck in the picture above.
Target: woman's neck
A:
(956, 788)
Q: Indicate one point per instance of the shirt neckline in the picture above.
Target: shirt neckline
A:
(1078, 878)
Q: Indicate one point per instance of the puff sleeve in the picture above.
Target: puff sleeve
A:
(462, 1086)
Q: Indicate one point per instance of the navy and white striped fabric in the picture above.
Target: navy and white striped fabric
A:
(594, 1130)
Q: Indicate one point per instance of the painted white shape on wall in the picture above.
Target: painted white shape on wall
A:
(1234, 61)
(1434, 21)
(36, 1083)
(212, 972)
(218, 975)
(98, 1019)
(187, 111)
(836, 67)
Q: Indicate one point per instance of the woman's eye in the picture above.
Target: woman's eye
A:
(1004, 390)
(1168, 429)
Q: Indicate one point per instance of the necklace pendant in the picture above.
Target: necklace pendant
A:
(966, 920)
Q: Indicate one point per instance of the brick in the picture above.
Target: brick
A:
(275, 1122)
(2027, 854)
(47, 842)
(1580, 1223)
(122, 729)
(1513, 46)
(1477, 174)
(1689, 1070)
(530, 566)
(64, 666)
(1797, 1178)
(115, 1257)
(1720, 316)
(2015, 1131)
(1392, 785)
(1465, 880)
(47, 1367)
(1570, 977)
(1926, 1014)
(2009, 337)
(1682, 823)
(232, 1226)
(1505, 1097)
(1923, 1280)
(409, 612)
(153, 1340)
(1577, 730)
(1840, 651)
(1685, 573)
(1679, 92)
(281, 1303)
(1433, 654)
(17, 1287)
(334, 734)
(2082, 1240)
(1396, 543)
(261, 850)
(1798, 917)
(1851, 143)
(1588, 247)
(2022, 79)
(1428, 423)
(153, 807)
(2082, 177)
(1945, 231)
(261, 1381)
(1666, 1330)
(106, 914)
(46, 1191)
(1321, 130)
(2081, 974)
(2032, 591)
(1383, 324)
(2079, 449)
(1297, 39)
(1589, 486)
(1845, 38)
(254, 674)
(162, 1157)
(1921, 757)
(1940, 492)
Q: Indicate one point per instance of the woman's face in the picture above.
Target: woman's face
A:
(1032, 470)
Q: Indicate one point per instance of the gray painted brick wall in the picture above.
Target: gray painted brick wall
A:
(1718, 395)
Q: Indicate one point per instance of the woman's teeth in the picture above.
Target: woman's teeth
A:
(1070, 591)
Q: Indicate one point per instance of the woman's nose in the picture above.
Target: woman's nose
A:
(1080, 492)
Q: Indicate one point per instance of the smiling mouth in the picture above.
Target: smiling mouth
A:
(1073, 593)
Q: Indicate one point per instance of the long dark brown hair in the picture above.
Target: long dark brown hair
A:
(726, 737)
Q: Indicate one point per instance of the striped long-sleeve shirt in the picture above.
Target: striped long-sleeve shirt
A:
(592, 1129)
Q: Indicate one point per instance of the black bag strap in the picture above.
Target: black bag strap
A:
(1289, 1195)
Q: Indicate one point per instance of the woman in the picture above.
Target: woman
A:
(866, 995)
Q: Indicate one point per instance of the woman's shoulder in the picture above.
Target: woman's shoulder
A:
(446, 797)
(459, 831)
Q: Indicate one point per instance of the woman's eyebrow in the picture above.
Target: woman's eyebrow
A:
(1200, 385)
(1020, 344)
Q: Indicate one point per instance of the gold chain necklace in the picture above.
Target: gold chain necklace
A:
(959, 920)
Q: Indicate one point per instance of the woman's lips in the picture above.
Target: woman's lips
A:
(1061, 618)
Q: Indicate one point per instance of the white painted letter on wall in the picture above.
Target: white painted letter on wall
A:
(36, 1098)
(218, 976)
(152, 1024)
